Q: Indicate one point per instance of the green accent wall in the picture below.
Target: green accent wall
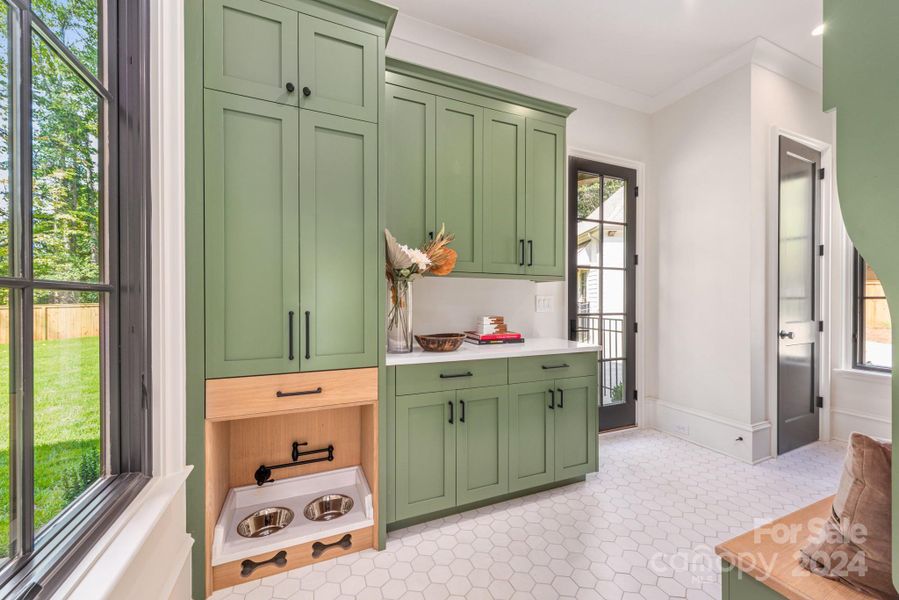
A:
(861, 81)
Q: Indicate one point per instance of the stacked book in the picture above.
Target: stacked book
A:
(492, 330)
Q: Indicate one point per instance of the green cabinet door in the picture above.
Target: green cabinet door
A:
(460, 146)
(504, 193)
(545, 215)
(409, 164)
(338, 69)
(531, 434)
(250, 48)
(576, 436)
(252, 270)
(425, 471)
(339, 240)
(482, 443)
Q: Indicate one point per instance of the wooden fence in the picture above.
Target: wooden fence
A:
(58, 321)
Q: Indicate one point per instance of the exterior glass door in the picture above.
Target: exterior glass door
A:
(601, 279)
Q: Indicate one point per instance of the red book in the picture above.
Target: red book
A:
(511, 335)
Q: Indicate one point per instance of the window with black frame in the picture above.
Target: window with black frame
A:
(872, 327)
(73, 355)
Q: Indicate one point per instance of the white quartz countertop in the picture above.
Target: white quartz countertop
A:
(530, 347)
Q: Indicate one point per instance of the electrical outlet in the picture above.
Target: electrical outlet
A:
(543, 304)
(682, 429)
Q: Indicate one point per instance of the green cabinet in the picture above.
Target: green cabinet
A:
(531, 436)
(482, 444)
(504, 193)
(545, 214)
(252, 264)
(251, 49)
(338, 69)
(338, 242)
(460, 168)
(409, 177)
(425, 470)
(574, 416)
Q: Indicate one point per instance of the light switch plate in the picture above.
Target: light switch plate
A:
(543, 304)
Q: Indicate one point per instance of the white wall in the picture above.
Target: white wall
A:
(596, 127)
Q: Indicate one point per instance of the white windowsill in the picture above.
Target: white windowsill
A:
(114, 551)
(864, 375)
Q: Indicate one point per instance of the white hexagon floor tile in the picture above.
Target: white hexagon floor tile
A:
(644, 526)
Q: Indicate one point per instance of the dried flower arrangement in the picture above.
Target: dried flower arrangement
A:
(405, 264)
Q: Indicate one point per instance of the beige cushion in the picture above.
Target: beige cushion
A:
(854, 546)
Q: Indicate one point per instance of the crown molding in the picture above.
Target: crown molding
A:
(421, 42)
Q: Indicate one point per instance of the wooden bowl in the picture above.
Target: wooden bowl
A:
(440, 342)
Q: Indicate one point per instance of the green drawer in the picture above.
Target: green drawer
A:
(552, 366)
(436, 377)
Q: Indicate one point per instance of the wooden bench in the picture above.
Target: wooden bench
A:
(763, 564)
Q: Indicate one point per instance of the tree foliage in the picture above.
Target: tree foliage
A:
(589, 195)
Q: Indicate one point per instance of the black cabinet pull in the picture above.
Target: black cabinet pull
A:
(290, 335)
(431, 235)
(552, 399)
(248, 566)
(307, 92)
(451, 412)
(281, 394)
(318, 548)
(531, 251)
(465, 374)
(290, 87)
(521, 253)
(561, 398)
(548, 367)
(462, 416)
(307, 335)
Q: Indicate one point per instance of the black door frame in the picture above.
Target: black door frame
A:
(787, 145)
(620, 415)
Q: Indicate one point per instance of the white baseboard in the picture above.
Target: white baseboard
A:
(844, 421)
(746, 442)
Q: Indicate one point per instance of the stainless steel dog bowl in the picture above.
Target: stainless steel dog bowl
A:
(329, 507)
(265, 522)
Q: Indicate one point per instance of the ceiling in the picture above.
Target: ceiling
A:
(645, 46)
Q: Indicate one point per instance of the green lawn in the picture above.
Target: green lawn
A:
(66, 424)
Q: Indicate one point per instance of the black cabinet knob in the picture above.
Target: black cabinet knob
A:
(290, 87)
(307, 92)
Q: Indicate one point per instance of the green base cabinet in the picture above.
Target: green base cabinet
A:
(736, 585)
(450, 448)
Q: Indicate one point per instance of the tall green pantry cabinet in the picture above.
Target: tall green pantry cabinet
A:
(284, 104)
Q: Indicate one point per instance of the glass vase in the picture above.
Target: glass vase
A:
(399, 316)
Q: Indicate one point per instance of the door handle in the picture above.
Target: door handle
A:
(521, 252)
(561, 398)
(531, 253)
(290, 335)
(462, 416)
(307, 335)
(552, 399)
(786, 334)
(465, 374)
(451, 412)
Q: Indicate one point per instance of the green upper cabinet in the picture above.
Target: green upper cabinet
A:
(576, 434)
(545, 214)
(339, 242)
(482, 443)
(338, 69)
(460, 169)
(409, 180)
(251, 49)
(504, 193)
(531, 435)
(425, 469)
(252, 264)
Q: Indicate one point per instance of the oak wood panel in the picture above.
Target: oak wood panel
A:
(298, 556)
(776, 565)
(218, 436)
(249, 397)
(268, 440)
(369, 455)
